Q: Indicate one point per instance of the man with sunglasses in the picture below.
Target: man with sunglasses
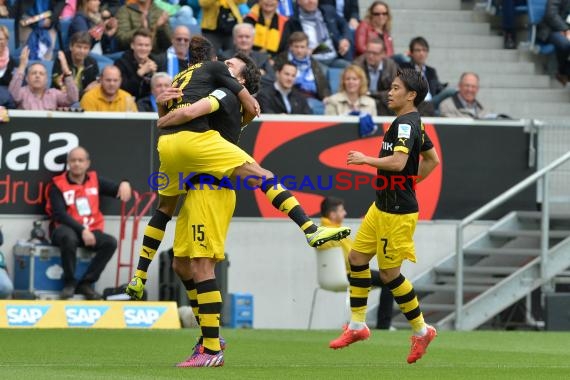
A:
(176, 55)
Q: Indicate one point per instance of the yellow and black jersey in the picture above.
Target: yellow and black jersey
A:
(197, 82)
(228, 118)
(397, 194)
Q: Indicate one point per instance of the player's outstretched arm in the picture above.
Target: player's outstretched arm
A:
(393, 163)
(429, 162)
(179, 116)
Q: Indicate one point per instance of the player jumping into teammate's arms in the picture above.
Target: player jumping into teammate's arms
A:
(388, 227)
(193, 147)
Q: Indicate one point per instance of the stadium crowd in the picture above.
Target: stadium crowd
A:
(142, 39)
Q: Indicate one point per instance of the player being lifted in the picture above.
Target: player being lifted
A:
(192, 147)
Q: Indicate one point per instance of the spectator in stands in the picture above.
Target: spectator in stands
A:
(347, 9)
(6, 67)
(176, 56)
(310, 80)
(158, 83)
(6, 286)
(464, 103)
(282, 97)
(84, 69)
(102, 29)
(7, 9)
(508, 24)
(380, 72)
(68, 9)
(35, 95)
(138, 64)
(37, 26)
(555, 29)
(329, 36)
(218, 21)
(144, 14)
(108, 96)
(376, 24)
(269, 27)
(351, 98)
(419, 51)
(77, 221)
(243, 35)
(179, 14)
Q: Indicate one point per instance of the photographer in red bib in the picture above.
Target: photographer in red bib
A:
(76, 220)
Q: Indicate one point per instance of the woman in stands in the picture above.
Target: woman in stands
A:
(376, 24)
(351, 98)
(100, 26)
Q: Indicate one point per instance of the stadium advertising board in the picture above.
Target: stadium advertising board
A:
(92, 314)
(309, 155)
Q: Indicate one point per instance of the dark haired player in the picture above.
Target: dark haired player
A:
(388, 227)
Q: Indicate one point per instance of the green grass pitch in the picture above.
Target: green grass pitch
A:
(280, 354)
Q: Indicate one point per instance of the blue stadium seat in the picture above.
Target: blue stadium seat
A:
(195, 30)
(49, 68)
(102, 60)
(536, 10)
(333, 76)
(10, 24)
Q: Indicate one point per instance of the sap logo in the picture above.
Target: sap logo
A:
(142, 316)
(387, 146)
(84, 316)
(25, 315)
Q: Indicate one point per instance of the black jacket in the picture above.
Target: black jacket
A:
(139, 87)
(270, 101)
(350, 9)
(554, 18)
(336, 25)
(89, 74)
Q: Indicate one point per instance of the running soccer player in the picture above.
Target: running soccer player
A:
(388, 227)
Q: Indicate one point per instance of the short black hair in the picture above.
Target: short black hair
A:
(280, 64)
(200, 50)
(330, 204)
(419, 41)
(250, 73)
(414, 81)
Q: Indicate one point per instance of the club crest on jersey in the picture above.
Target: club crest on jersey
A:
(404, 130)
(218, 94)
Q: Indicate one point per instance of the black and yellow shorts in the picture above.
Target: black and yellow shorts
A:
(389, 236)
(203, 222)
(186, 152)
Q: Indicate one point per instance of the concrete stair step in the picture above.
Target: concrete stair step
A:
(536, 215)
(501, 251)
(469, 280)
(438, 27)
(427, 4)
(530, 110)
(557, 234)
(460, 41)
(437, 307)
(411, 16)
(479, 270)
(479, 67)
(449, 288)
(499, 80)
(464, 56)
(492, 95)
